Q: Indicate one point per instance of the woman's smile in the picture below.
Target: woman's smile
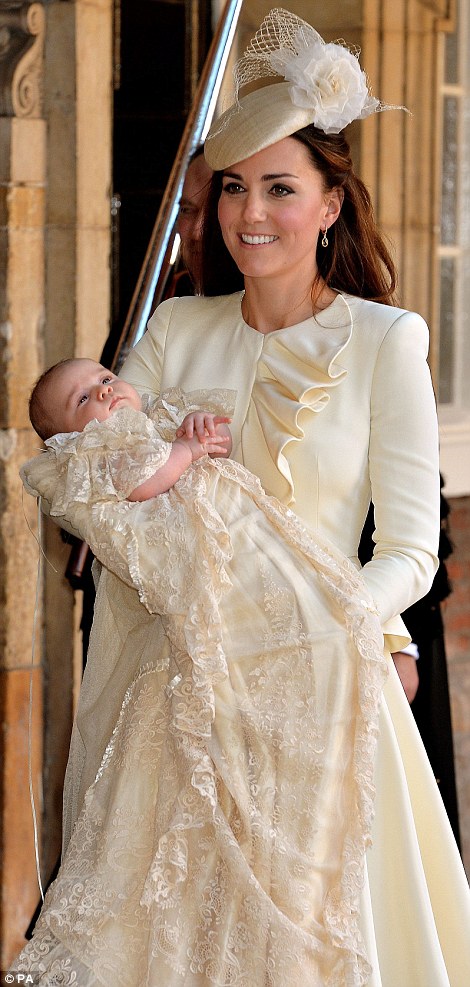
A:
(257, 239)
(276, 197)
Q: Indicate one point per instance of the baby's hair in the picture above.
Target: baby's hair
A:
(39, 414)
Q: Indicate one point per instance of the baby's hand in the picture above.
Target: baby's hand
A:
(203, 423)
(206, 434)
(215, 445)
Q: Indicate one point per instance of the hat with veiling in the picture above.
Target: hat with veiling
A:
(323, 85)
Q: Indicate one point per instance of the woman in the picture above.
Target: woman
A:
(317, 355)
(335, 408)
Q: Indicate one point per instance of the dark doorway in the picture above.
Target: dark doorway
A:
(156, 49)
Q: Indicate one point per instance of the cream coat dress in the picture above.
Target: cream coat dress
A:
(329, 414)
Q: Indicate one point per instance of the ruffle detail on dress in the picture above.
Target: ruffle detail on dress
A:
(199, 654)
(296, 372)
(39, 475)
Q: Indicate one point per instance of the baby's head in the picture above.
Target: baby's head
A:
(71, 393)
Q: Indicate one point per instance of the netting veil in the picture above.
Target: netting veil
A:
(325, 79)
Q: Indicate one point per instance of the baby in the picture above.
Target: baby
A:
(73, 393)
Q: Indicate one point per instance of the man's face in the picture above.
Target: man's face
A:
(189, 226)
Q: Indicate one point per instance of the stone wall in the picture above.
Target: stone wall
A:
(55, 184)
(22, 248)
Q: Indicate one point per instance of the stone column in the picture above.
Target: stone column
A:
(399, 151)
(22, 204)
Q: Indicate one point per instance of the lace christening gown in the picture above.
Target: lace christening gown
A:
(223, 839)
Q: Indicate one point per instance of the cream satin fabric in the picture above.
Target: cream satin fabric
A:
(376, 437)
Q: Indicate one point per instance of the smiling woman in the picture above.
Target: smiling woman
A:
(335, 407)
(271, 210)
(315, 170)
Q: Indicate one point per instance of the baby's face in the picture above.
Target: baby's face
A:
(84, 390)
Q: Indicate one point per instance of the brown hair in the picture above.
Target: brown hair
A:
(39, 412)
(356, 260)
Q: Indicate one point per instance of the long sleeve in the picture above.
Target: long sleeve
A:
(404, 469)
(143, 365)
(376, 437)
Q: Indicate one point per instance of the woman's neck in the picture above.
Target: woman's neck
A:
(267, 307)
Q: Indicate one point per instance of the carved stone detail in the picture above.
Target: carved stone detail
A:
(22, 28)
(443, 8)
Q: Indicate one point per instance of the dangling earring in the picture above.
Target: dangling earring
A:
(324, 241)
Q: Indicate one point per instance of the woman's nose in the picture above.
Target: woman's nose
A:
(254, 208)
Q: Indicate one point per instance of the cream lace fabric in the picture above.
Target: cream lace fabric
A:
(223, 839)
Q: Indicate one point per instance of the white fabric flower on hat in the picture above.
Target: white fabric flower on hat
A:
(326, 78)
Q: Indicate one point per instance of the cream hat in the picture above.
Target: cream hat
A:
(262, 118)
(323, 85)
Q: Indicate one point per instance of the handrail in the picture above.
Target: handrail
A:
(154, 272)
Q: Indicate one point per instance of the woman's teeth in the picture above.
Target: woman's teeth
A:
(246, 238)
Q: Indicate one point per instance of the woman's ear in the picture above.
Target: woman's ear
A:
(333, 205)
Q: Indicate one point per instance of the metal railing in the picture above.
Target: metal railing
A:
(154, 273)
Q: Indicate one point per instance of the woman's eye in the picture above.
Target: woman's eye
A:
(280, 191)
(233, 188)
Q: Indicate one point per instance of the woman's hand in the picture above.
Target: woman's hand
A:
(202, 422)
(408, 673)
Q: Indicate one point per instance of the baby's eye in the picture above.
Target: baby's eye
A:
(107, 379)
(233, 188)
(83, 398)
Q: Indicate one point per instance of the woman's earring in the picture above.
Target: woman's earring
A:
(324, 241)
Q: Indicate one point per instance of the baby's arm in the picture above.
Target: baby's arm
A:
(186, 449)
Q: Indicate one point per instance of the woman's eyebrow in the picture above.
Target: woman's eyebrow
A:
(284, 174)
(264, 178)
